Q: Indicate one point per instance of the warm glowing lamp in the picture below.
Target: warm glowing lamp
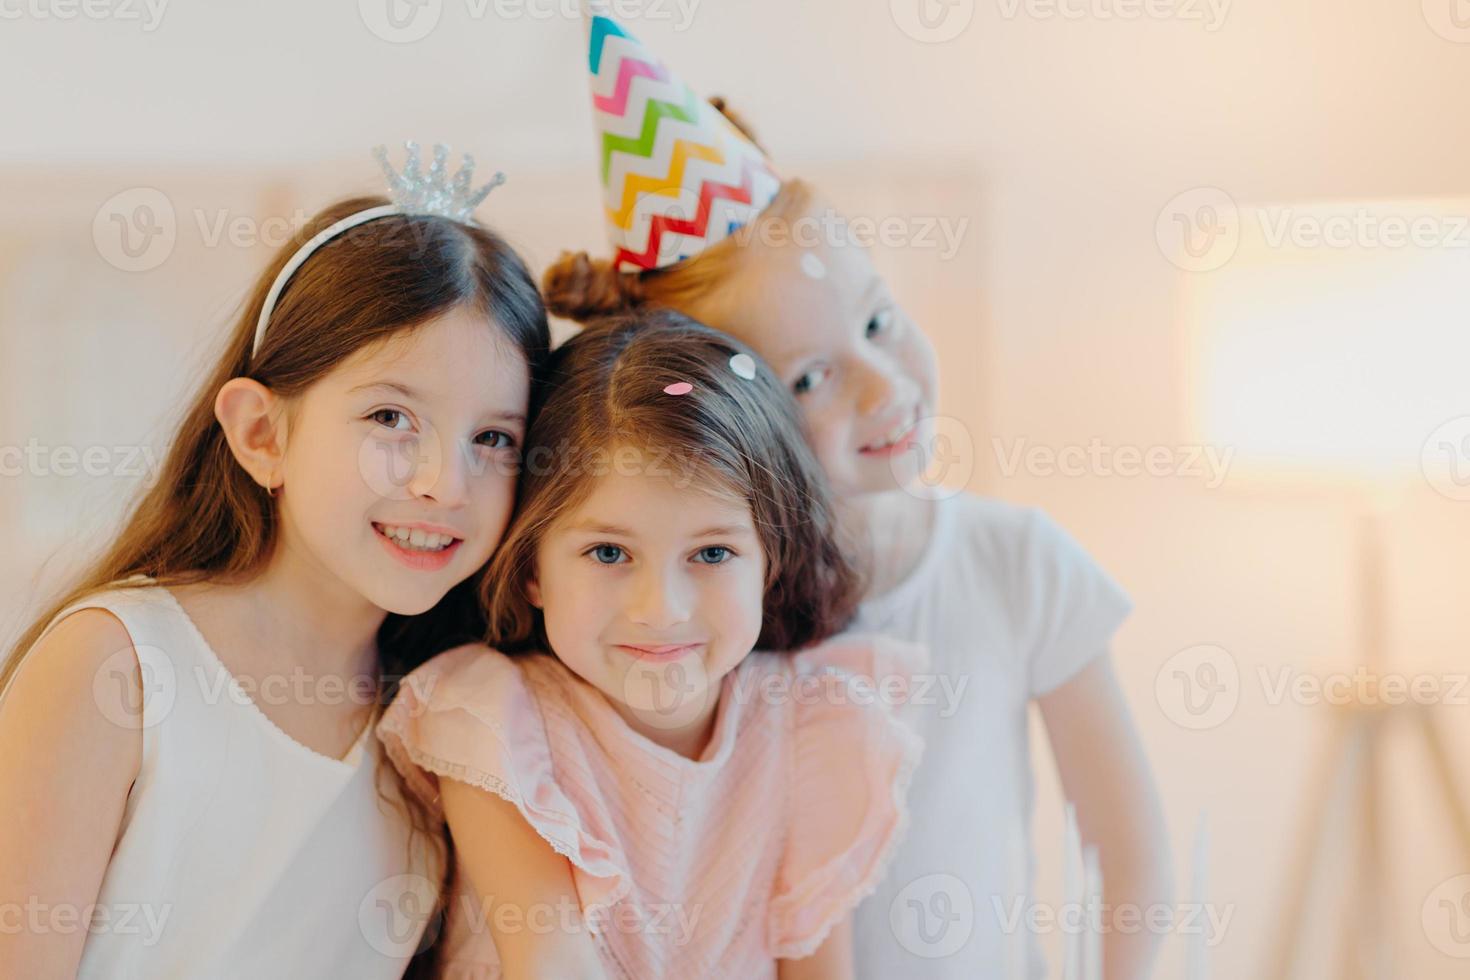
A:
(1332, 348)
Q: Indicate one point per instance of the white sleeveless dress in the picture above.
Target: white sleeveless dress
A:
(243, 853)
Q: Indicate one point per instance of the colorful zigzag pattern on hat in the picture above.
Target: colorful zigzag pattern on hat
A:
(677, 176)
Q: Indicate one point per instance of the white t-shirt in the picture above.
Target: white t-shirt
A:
(242, 852)
(1010, 607)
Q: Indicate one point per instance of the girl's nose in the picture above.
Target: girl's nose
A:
(661, 599)
(881, 384)
(442, 473)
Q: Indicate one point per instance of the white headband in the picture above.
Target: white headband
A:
(412, 192)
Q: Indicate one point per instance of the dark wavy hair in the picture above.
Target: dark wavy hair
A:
(603, 404)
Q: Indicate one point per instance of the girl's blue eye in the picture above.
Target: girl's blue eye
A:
(606, 554)
(378, 416)
(714, 555)
(810, 379)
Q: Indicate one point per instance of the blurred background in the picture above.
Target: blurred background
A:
(1197, 271)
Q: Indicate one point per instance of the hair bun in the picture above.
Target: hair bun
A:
(582, 288)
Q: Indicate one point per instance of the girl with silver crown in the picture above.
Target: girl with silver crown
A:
(202, 788)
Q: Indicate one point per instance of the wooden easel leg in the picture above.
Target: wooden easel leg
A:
(1373, 933)
(1439, 757)
(1337, 764)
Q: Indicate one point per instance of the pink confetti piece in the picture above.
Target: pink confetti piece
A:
(679, 388)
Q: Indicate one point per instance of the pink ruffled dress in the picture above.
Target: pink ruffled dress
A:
(708, 867)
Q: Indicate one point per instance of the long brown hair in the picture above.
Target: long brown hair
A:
(205, 519)
(729, 433)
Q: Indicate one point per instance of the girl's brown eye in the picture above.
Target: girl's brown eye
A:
(498, 440)
(386, 417)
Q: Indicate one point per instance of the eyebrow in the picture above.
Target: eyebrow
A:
(408, 392)
(719, 530)
(403, 389)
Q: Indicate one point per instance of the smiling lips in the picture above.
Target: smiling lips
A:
(422, 547)
(660, 652)
(898, 438)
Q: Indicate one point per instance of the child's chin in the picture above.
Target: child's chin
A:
(406, 603)
(887, 476)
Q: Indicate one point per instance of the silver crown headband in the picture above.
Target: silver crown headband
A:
(412, 192)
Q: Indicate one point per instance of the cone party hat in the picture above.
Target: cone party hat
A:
(677, 176)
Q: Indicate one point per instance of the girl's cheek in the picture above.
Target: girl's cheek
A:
(498, 500)
(923, 362)
(387, 467)
(345, 474)
(828, 435)
(820, 421)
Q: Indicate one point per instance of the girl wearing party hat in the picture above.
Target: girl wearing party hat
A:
(1012, 609)
(190, 786)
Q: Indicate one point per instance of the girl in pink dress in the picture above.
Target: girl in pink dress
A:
(664, 764)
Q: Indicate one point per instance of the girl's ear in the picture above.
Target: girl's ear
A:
(533, 592)
(254, 426)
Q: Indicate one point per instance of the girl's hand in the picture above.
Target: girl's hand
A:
(1105, 773)
(831, 961)
(68, 764)
(509, 864)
